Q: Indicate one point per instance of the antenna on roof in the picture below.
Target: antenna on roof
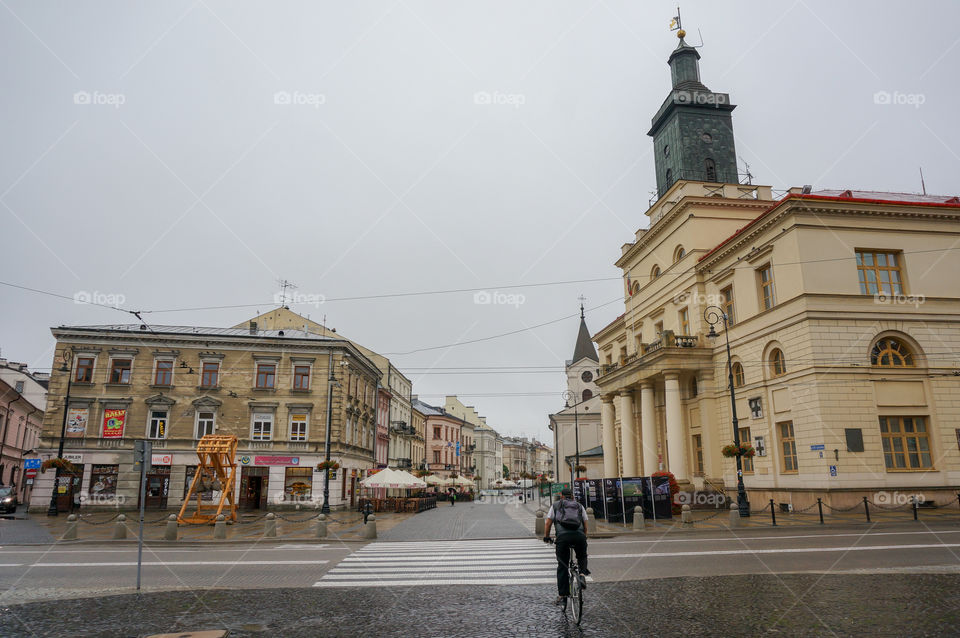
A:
(922, 184)
(284, 284)
(746, 171)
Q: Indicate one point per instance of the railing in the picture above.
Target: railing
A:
(404, 463)
(685, 341)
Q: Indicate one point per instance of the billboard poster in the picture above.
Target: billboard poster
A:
(611, 498)
(595, 497)
(77, 422)
(113, 421)
(656, 497)
(633, 495)
(580, 493)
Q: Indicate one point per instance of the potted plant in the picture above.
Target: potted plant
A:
(733, 450)
(327, 465)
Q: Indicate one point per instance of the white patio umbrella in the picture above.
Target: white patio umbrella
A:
(433, 479)
(462, 480)
(392, 479)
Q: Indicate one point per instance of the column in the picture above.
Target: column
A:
(628, 433)
(712, 464)
(609, 445)
(648, 425)
(676, 443)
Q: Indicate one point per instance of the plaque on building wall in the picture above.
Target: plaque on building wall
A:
(113, 422)
(77, 422)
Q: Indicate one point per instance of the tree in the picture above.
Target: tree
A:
(506, 472)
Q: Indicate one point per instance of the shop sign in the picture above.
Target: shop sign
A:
(161, 459)
(113, 422)
(77, 422)
(245, 460)
(76, 459)
(276, 460)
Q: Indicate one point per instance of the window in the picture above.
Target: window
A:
(658, 329)
(297, 484)
(726, 301)
(623, 354)
(18, 387)
(891, 353)
(587, 394)
(765, 274)
(301, 377)
(666, 150)
(103, 480)
(120, 370)
(738, 377)
(746, 462)
(679, 254)
(697, 455)
(684, 316)
(694, 388)
(205, 423)
(298, 427)
(436, 432)
(669, 175)
(711, 169)
(262, 427)
(906, 443)
(879, 273)
(84, 371)
(266, 374)
(210, 376)
(436, 456)
(788, 447)
(157, 426)
(778, 365)
(655, 273)
(163, 375)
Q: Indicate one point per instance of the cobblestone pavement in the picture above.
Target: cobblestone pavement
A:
(788, 605)
(479, 519)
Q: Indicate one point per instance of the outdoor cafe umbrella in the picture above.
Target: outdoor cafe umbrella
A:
(392, 479)
(462, 480)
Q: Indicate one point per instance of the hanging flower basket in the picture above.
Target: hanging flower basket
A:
(60, 464)
(733, 450)
(423, 473)
(580, 468)
(327, 465)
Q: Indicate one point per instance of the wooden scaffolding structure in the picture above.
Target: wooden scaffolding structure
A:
(216, 471)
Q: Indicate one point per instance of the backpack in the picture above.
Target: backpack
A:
(568, 514)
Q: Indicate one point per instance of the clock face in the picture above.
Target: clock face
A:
(587, 376)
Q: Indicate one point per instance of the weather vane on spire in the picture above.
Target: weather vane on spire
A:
(676, 25)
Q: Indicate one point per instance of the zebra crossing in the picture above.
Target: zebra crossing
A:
(480, 562)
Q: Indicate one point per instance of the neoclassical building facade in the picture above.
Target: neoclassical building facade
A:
(843, 318)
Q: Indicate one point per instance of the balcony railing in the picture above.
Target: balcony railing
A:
(404, 463)
(667, 339)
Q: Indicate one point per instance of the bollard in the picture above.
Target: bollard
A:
(322, 526)
(820, 508)
(866, 508)
(916, 507)
(734, 515)
(591, 522)
(120, 529)
(70, 534)
(638, 522)
(220, 527)
(540, 524)
(172, 532)
(370, 529)
(270, 526)
(686, 517)
(773, 512)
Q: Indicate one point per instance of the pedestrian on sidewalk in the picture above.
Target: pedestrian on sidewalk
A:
(453, 499)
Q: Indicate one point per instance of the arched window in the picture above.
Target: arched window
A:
(669, 175)
(711, 167)
(778, 364)
(679, 254)
(587, 395)
(654, 273)
(738, 378)
(891, 353)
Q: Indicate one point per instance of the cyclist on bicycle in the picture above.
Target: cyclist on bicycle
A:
(571, 522)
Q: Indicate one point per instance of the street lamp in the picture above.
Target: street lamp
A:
(331, 381)
(568, 395)
(66, 366)
(715, 315)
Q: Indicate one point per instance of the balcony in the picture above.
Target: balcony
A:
(404, 463)
(667, 342)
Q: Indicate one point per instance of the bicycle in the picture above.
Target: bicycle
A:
(575, 595)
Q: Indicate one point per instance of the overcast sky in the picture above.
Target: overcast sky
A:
(182, 154)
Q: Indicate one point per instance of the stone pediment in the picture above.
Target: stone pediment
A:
(160, 399)
(206, 402)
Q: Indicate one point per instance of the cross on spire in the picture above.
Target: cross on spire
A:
(581, 298)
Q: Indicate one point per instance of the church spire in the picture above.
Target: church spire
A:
(584, 348)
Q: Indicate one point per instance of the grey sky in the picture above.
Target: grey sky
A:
(384, 174)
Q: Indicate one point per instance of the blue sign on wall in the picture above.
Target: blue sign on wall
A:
(817, 447)
(31, 464)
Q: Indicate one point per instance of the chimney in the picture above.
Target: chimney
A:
(253, 327)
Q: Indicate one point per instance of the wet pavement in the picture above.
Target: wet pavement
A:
(785, 605)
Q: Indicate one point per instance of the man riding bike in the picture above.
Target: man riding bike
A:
(571, 522)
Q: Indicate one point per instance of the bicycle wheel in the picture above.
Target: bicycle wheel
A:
(576, 596)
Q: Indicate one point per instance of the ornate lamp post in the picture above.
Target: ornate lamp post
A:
(715, 315)
(66, 366)
(331, 381)
(568, 396)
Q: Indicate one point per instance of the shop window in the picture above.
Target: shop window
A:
(103, 480)
(298, 484)
(120, 370)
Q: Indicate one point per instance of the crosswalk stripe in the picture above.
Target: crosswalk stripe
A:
(438, 581)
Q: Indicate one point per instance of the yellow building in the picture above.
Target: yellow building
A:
(843, 327)
(173, 384)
